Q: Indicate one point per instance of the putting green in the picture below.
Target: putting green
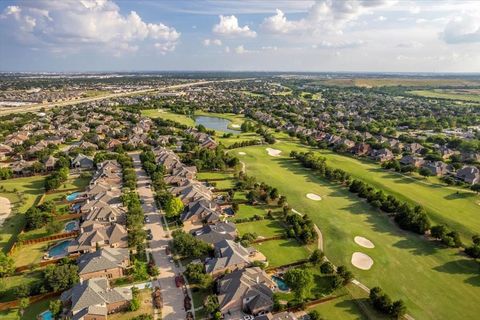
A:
(428, 278)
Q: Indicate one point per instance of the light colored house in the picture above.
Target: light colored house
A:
(94, 234)
(469, 174)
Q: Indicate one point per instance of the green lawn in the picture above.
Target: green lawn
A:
(28, 189)
(31, 254)
(167, 115)
(31, 312)
(281, 252)
(214, 175)
(446, 94)
(146, 307)
(248, 211)
(9, 283)
(406, 266)
(264, 228)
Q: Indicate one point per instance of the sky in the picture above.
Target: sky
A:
(281, 35)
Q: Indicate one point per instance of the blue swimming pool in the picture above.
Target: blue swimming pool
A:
(59, 250)
(73, 196)
(46, 315)
(70, 226)
(280, 283)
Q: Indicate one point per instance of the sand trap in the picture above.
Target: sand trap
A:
(5, 209)
(236, 126)
(273, 152)
(242, 153)
(364, 242)
(314, 197)
(361, 261)
(295, 211)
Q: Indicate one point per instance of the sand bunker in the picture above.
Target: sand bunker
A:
(314, 197)
(5, 209)
(273, 152)
(235, 126)
(364, 242)
(242, 153)
(361, 261)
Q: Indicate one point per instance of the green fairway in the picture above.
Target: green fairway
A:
(405, 265)
(456, 207)
(282, 252)
(447, 94)
(167, 115)
(264, 228)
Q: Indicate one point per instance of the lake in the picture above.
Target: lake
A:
(215, 123)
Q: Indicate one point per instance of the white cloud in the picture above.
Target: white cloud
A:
(381, 18)
(71, 25)
(240, 49)
(462, 29)
(415, 10)
(228, 26)
(339, 45)
(227, 49)
(212, 42)
(410, 45)
(323, 16)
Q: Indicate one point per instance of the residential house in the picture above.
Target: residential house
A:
(245, 291)
(110, 263)
(437, 168)
(410, 160)
(413, 148)
(5, 151)
(285, 315)
(383, 155)
(93, 299)
(50, 163)
(82, 161)
(362, 149)
(469, 174)
(201, 211)
(94, 234)
(215, 233)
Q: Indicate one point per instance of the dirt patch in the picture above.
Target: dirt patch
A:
(314, 197)
(273, 152)
(242, 153)
(362, 261)
(5, 209)
(364, 242)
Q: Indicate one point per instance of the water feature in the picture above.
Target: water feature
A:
(46, 315)
(73, 196)
(215, 123)
(70, 226)
(280, 283)
(59, 250)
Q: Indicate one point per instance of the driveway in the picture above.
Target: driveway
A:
(173, 297)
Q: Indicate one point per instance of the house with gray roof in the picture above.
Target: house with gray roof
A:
(110, 263)
(82, 161)
(94, 299)
(215, 233)
(94, 234)
(469, 174)
(248, 291)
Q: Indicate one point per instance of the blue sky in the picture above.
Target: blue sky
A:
(301, 35)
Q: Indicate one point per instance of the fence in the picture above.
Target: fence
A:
(57, 236)
(279, 237)
(16, 303)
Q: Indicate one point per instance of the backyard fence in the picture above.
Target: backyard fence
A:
(57, 236)
(33, 299)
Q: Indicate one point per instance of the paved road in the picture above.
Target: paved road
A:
(173, 297)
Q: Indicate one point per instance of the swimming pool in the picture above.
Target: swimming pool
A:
(59, 250)
(73, 196)
(46, 315)
(280, 283)
(70, 226)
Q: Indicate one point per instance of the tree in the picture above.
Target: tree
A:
(140, 271)
(476, 187)
(60, 277)
(173, 208)
(135, 302)
(24, 303)
(425, 172)
(398, 309)
(327, 267)
(314, 315)
(55, 306)
(316, 257)
(300, 281)
(211, 304)
(7, 265)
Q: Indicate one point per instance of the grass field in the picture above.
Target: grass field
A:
(248, 211)
(164, 114)
(32, 253)
(146, 307)
(460, 211)
(264, 228)
(281, 252)
(446, 94)
(9, 283)
(389, 82)
(406, 266)
(29, 189)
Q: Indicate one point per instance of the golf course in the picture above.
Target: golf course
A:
(405, 265)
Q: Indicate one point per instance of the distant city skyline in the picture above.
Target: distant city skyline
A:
(316, 36)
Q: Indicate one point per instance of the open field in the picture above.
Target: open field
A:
(30, 189)
(448, 94)
(167, 115)
(406, 82)
(406, 265)
(459, 210)
(264, 228)
(281, 252)
(32, 253)
(248, 211)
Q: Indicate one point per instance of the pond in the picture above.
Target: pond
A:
(59, 250)
(280, 283)
(73, 196)
(215, 123)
